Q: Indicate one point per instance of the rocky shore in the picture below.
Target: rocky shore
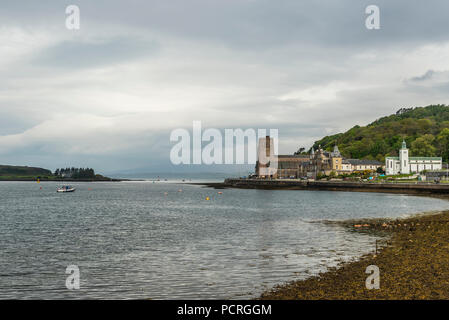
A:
(413, 262)
(413, 257)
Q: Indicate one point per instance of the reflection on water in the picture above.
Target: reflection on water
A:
(148, 240)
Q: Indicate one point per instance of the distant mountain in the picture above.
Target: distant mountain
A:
(425, 130)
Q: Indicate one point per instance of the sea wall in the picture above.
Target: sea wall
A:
(410, 188)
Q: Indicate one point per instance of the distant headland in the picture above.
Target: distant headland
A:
(25, 173)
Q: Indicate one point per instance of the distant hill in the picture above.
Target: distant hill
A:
(425, 129)
(23, 171)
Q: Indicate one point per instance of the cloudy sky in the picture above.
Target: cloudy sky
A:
(108, 95)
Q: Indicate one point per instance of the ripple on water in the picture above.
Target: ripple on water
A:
(130, 240)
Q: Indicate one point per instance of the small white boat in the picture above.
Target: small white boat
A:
(65, 189)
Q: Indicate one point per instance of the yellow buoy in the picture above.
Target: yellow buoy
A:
(207, 198)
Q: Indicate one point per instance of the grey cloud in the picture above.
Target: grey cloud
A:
(82, 54)
(257, 24)
(431, 82)
(426, 76)
(309, 68)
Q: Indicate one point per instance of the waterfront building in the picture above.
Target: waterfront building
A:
(321, 162)
(318, 162)
(403, 164)
(325, 162)
(363, 165)
(289, 165)
(281, 166)
(436, 176)
(346, 166)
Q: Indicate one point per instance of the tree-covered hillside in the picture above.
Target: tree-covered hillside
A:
(425, 129)
(23, 171)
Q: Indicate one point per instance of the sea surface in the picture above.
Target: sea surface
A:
(162, 240)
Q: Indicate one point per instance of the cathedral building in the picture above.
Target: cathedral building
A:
(269, 165)
(325, 162)
(406, 165)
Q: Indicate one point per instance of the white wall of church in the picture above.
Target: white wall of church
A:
(406, 165)
(425, 165)
(392, 166)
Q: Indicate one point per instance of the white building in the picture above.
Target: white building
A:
(346, 166)
(405, 164)
(362, 165)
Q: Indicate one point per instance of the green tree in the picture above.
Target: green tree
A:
(443, 143)
(424, 125)
(384, 136)
(301, 150)
(422, 146)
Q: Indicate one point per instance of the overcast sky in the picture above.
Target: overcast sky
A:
(108, 95)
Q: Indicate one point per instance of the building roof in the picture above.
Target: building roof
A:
(417, 158)
(336, 153)
(363, 162)
(425, 158)
(436, 173)
(299, 156)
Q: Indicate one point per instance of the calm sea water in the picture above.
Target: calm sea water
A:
(148, 240)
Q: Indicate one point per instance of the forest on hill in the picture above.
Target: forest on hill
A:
(425, 130)
(75, 173)
(23, 171)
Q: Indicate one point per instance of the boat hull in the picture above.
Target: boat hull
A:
(66, 190)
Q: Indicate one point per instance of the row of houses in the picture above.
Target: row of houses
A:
(319, 162)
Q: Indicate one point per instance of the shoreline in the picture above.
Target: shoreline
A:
(402, 188)
(61, 181)
(34, 179)
(412, 258)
